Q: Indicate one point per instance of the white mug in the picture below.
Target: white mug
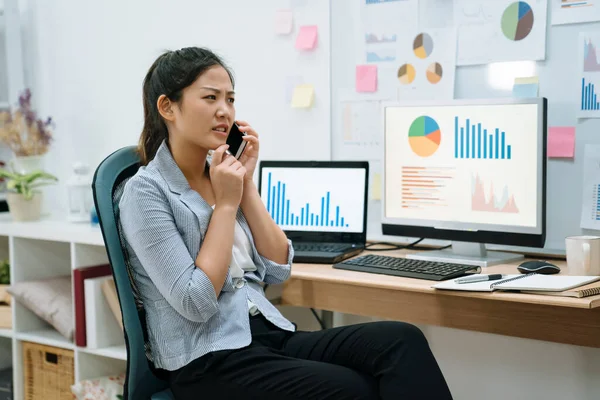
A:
(583, 255)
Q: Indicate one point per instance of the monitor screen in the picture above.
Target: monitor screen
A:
(464, 166)
(315, 199)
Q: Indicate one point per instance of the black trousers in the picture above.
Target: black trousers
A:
(377, 360)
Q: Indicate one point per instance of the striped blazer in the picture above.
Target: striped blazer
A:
(163, 221)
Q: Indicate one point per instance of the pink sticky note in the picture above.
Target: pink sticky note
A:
(366, 78)
(283, 22)
(561, 142)
(307, 37)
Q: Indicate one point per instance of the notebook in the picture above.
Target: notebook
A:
(529, 282)
(582, 291)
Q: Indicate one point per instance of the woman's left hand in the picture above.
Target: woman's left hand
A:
(249, 157)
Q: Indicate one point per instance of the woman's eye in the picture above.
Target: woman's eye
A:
(211, 97)
(232, 100)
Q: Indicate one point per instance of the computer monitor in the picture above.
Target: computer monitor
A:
(469, 171)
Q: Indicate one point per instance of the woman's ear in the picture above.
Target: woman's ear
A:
(165, 107)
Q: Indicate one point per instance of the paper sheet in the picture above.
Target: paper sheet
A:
(525, 91)
(362, 132)
(382, 23)
(303, 96)
(561, 142)
(589, 73)
(590, 210)
(436, 14)
(425, 66)
(307, 37)
(366, 78)
(376, 187)
(500, 30)
(575, 11)
(290, 86)
(283, 22)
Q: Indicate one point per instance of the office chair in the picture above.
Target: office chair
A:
(107, 186)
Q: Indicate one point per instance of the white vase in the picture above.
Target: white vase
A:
(27, 164)
(24, 210)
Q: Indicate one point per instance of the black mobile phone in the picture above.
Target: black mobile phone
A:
(235, 141)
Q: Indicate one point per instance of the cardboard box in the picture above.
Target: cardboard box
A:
(5, 311)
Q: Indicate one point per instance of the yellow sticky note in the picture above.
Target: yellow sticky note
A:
(524, 80)
(303, 96)
(376, 187)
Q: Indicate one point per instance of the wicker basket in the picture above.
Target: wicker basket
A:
(48, 372)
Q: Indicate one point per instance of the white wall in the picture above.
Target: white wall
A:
(86, 62)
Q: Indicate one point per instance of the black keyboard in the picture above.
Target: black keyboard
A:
(324, 247)
(430, 270)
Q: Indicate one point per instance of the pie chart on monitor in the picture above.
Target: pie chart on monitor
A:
(424, 136)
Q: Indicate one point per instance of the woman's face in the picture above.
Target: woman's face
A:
(206, 111)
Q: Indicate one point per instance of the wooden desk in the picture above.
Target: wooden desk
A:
(550, 318)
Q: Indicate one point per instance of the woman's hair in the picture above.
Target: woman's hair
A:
(172, 72)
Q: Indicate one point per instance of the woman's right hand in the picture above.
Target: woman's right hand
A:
(227, 178)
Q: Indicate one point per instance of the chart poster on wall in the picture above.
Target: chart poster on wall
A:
(425, 65)
(381, 22)
(590, 210)
(575, 11)
(500, 30)
(589, 75)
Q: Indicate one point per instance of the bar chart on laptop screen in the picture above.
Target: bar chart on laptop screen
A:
(315, 199)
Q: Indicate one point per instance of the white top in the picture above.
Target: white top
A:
(241, 260)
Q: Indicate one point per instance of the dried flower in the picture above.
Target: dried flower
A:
(23, 131)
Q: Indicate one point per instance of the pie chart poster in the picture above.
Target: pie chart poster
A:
(500, 30)
(425, 65)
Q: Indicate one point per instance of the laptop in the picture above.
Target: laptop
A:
(320, 205)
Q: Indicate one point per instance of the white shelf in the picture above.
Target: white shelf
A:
(53, 230)
(48, 337)
(116, 352)
(7, 333)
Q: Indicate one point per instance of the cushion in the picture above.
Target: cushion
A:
(50, 299)
(103, 388)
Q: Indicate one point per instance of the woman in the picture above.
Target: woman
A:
(201, 243)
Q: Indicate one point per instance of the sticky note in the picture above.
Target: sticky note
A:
(366, 78)
(524, 80)
(526, 87)
(376, 187)
(307, 37)
(303, 96)
(561, 142)
(283, 22)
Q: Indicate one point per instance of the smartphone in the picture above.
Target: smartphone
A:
(235, 141)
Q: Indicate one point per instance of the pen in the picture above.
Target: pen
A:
(480, 278)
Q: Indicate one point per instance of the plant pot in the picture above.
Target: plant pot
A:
(27, 164)
(25, 210)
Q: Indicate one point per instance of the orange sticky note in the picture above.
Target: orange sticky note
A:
(366, 78)
(561, 142)
(307, 37)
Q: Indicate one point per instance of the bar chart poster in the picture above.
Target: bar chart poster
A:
(315, 199)
(589, 67)
(590, 209)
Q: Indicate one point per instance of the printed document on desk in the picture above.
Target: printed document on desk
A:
(529, 282)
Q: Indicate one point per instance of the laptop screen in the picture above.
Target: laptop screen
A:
(315, 196)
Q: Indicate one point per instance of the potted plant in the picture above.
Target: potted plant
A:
(28, 136)
(24, 200)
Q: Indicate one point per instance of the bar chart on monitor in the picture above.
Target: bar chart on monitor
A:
(476, 141)
(321, 200)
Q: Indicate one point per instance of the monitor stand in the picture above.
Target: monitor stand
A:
(468, 254)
